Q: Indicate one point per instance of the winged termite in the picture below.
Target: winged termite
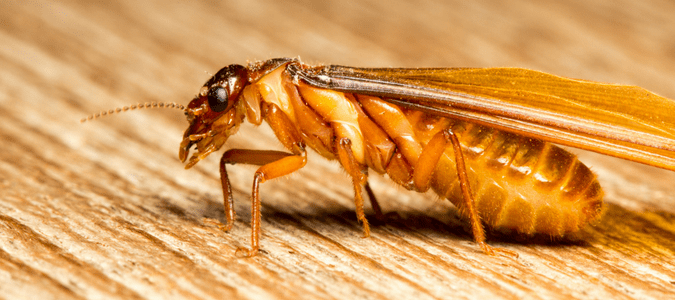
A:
(478, 137)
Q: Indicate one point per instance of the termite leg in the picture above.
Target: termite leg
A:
(476, 226)
(373, 202)
(359, 179)
(426, 164)
(241, 156)
(228, 200)
(274, 164)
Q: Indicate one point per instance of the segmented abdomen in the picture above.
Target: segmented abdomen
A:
(518, 183)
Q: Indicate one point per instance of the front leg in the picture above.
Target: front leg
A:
(281, 167)
(242, 156)
(273, 164)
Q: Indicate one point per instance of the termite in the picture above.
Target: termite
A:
(480, 137)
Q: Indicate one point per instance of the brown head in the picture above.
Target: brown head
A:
(214, 114)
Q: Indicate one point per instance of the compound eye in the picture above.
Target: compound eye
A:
(217, 98)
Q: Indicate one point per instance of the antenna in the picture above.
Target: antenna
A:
(133, 107)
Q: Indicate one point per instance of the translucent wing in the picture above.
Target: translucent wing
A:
(623, 121)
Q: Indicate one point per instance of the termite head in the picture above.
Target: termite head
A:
(214, 114)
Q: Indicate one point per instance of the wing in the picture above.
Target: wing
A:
(623, 121)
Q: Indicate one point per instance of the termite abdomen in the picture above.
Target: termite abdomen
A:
(520, 184)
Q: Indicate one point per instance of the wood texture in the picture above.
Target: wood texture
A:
(105, 209)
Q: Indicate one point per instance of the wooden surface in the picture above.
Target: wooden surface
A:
(105, 209)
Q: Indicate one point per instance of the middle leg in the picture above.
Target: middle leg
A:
(359, 178)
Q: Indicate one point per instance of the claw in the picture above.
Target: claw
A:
(493, 250)
(224, 228)
(245, 252)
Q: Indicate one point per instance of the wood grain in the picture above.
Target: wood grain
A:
(105, 209)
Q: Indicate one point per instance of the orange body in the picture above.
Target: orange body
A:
(478, 137)
(522, 184)
(519, 183)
